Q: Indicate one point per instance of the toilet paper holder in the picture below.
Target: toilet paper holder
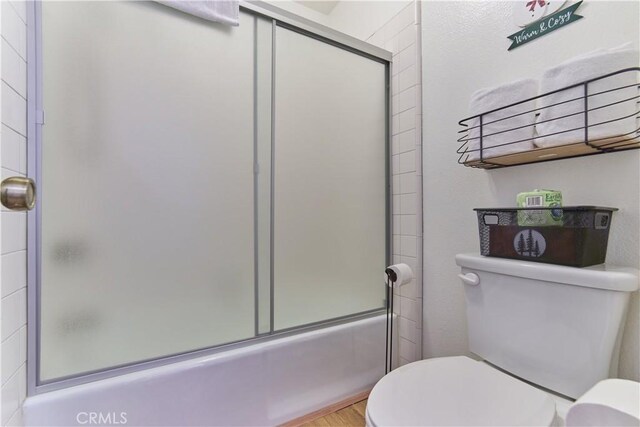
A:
(398, 274)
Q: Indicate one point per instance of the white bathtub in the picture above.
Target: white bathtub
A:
(263, 384)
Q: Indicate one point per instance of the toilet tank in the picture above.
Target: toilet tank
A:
(555, 326)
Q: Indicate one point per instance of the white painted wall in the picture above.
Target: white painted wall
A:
(361, 19)
(301, 10)
(464, 48)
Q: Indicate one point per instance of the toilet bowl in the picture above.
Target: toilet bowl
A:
(457, 391)
(542, 331)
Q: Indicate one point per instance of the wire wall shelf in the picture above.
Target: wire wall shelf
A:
(597, 116)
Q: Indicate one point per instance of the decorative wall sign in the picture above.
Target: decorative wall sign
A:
(540, 17)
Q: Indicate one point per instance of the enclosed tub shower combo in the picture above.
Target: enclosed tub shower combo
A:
(212, 215)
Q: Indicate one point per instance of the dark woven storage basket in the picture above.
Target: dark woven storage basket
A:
(573, 235)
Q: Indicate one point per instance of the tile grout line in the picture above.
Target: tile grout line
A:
(11, 2)
(17, 250)
(13, 89)
(10, 86)
(13, 47)
(11, 294)
(16, 131)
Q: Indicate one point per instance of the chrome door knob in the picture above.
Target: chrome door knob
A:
(18, 193)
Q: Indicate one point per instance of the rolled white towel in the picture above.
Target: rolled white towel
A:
(620, 117)
(223, 11)
(497, 129)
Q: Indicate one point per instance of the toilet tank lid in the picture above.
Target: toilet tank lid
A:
(601, 276)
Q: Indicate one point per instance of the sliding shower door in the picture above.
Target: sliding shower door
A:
(198, 184)
(330, 181)
(147, 245)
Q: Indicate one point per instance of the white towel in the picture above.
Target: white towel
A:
(517, 128)
(223, 11)
(577, 70)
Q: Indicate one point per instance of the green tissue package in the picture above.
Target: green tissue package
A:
(540, 199)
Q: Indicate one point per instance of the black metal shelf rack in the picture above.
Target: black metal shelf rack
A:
(484, 136)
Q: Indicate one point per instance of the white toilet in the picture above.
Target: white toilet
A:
(546, 334)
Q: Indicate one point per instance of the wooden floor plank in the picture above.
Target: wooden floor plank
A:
(361, 407)
(358, 401)
(351, 416)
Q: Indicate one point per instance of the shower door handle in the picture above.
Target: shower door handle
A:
(18, 193)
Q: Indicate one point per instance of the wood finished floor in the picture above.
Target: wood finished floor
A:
(351, 416)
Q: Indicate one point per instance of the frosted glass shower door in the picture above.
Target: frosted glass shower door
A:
(147, 241)
(329, 234)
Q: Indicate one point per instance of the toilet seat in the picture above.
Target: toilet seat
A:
(456, 391)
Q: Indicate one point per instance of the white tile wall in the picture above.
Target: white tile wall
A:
(13, 259)
(401, 36)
